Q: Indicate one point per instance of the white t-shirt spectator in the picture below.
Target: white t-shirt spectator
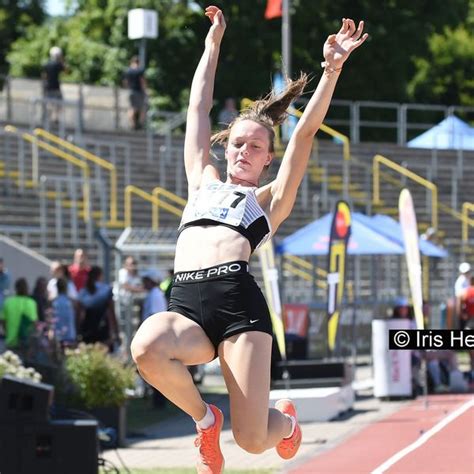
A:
(53, 289)
(462, 282)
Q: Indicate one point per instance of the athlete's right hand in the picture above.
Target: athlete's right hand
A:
(216, 32)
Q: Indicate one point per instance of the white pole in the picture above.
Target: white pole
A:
(286, 39)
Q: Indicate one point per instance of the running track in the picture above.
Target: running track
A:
(439, 439)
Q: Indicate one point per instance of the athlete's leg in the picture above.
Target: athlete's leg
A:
(162, 348)
(245, 362)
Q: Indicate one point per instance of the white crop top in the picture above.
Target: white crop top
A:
(230, 205)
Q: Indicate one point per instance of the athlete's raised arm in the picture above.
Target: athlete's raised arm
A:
(198, 128)
(337, 49)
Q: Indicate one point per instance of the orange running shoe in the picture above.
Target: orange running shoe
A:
(288, 447)
(210, 459)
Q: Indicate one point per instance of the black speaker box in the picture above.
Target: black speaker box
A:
(57, 447)
(24, 401)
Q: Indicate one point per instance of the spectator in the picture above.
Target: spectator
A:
(167, 284)
(467, 316)
(58, 270)
(228, 113)
(155, 300)
(97, 320)
(134, 80)
(5, 282)
(51, 83)
(79, 269)
(18, 314)
(63, 314)
(40, 295)
(461, 284)
(129, 281)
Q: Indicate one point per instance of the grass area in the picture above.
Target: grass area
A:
(193, 471)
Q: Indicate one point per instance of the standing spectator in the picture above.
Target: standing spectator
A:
(19, 313)
(228, 113)
(51, 82)
(40, 295)
(79, 269)
(155, 300)
(97, 321)
(5, 282)
(134, 80)
(63, 314)
(462, 282)
(467, 315)
(129, 281)
(58, 270)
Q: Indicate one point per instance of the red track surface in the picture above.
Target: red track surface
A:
(451, 450)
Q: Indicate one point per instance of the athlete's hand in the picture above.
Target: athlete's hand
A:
(338, 47)
(216, 31)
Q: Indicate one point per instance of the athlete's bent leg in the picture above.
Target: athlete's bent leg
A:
(162, 348)
(245, 362)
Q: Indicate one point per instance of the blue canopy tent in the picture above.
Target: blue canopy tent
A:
(313, 239)
(391, 228)
(450, 134)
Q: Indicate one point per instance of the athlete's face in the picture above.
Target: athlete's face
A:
(248, 151)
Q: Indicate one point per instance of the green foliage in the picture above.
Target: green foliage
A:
(447, 74)
(406, 36)
(11, 364)
(15, 18)
(100, 380)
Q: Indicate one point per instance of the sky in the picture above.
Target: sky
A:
(55, 7)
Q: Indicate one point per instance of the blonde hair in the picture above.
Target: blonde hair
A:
(268, 112)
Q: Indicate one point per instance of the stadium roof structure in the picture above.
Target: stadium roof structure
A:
(450, 134)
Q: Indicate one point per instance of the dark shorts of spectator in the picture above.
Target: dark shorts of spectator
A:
(53, 94)
(137, 100)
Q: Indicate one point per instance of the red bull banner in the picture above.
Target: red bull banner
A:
(338, 240)
(412, 253)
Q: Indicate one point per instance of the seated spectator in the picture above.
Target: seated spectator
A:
(18, 315)
(64, 315)
(40, 295)
(97, 320)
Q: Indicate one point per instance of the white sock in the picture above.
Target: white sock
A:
(293, 425)
(208, 420)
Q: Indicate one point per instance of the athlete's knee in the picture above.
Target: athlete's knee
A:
(149, 353)
(251, 441)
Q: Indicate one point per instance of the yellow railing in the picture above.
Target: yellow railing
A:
(303, 269)
(466, 221)
(110, 167)
(130, 190)
(177, 211)
(381, 160)
(60, 154)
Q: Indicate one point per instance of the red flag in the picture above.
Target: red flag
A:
(273, 9)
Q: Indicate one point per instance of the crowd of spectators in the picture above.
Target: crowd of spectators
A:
(75, 304)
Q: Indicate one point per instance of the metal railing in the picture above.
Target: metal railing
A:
(381, 160)
(36, 143)
(104, 164)
(158, 193)
(466, 221)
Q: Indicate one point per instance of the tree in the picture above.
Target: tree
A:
(15, 18)
(446, 75)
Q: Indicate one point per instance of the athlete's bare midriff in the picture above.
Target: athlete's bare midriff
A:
(202, 247)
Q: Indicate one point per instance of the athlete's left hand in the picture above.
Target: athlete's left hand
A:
(338, 47)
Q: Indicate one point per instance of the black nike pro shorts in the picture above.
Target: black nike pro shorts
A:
(224, 300)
